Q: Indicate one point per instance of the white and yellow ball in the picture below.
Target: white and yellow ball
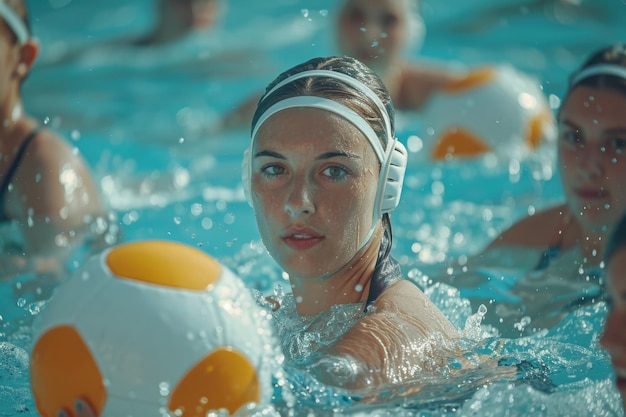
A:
(150, 328)
(493, 109)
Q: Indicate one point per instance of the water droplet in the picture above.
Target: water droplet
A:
(164, 389)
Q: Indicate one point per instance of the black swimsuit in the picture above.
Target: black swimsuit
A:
(6, 181)
(556, 244)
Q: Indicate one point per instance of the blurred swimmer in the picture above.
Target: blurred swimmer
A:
(378, 33)
(49, 203)
(614, 337)
(175, 19)
(565, 244)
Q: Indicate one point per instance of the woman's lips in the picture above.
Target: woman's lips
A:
(302, 239)
(591, 194)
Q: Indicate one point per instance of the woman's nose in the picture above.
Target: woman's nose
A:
(371, 32)
(300, 198)
(590, 161)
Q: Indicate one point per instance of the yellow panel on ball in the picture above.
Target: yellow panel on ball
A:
(472, 80)
(160, 262)
(61, 366)
(457, 142)
(226, 374)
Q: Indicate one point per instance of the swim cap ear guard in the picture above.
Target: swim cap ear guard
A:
(393, 180)
(393, 159)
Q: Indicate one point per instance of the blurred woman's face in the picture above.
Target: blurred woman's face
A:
(614, 337)
(373, 31)
(196, 14)
(10, 58)
(592, 156)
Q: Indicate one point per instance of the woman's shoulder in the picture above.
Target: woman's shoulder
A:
(48, 151)
(409, 304)
(419, 81)
(537, 230)
(48, 144)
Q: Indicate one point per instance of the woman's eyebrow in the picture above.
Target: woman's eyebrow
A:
(570, 124)
(328, 155)
(271, 154)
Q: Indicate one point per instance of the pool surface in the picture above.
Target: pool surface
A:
(140, 119)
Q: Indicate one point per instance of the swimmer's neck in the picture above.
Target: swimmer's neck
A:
(11, 115)
(168, 30)
(592, 248)
(349, 285)
(590, 241)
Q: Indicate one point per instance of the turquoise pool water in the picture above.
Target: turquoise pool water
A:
(140, 117)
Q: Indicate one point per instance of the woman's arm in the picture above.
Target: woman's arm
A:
(400, 340)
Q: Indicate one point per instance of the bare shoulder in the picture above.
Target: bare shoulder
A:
(51, 169)
(430, 74)
(537, 230)
(51, 153)
(49, 146)
(418, 82)
(406, 300)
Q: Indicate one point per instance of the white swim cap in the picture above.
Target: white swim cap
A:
(599, 69)
(14, 21)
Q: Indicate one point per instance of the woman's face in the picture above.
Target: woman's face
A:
(614, 337)
(314, 182)
(9, 56)
(195, 14)
(592, 156)
(373, 31)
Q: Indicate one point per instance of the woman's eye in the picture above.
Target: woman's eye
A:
(572, 139)
(389, 21)
(335, 172)
(618, 145)
(356, 17)
(273, 170)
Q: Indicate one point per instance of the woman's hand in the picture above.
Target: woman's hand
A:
(81, 409)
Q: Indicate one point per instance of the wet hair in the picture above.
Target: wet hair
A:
(335, 90)
(617, 240)
(612, 55)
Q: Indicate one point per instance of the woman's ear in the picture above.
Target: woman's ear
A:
(28, 54)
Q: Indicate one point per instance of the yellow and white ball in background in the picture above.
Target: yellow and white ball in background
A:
(150, 328)
(495, 109)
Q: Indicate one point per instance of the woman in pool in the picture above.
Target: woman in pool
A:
(614, 339)
(175, 19)
(48, 200)
(323, 174)
(377, 32)
(565, 244)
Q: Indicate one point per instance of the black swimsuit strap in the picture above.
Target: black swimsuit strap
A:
(556, 243)
(4, 185)
(387, 271)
